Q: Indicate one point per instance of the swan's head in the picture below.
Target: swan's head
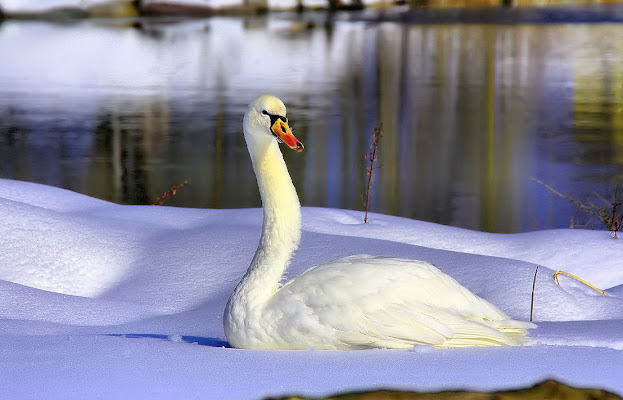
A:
(266, 118)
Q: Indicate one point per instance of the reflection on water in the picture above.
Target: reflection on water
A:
(470, 113)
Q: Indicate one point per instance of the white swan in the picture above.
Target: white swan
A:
(355, 302)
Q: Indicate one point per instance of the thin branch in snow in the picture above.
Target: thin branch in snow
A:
(372, 157)
(533, 285)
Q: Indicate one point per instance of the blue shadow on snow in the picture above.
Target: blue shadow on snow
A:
(202, 341)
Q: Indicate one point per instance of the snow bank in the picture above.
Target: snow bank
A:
(591, 254)
(98, 299)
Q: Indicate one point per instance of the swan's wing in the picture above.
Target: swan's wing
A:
(365, 301)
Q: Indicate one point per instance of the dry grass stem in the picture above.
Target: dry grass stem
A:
(577, 279)
(533, 286)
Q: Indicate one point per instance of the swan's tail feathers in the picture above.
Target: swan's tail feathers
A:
(515, 330)
(489, 333)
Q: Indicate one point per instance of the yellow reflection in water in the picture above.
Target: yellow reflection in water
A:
(598, 96)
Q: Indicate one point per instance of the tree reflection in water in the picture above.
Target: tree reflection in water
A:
(470, 113)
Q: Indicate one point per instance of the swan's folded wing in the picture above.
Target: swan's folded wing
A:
(398, 328)
(386, 302)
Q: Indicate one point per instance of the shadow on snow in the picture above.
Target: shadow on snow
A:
(202, 341)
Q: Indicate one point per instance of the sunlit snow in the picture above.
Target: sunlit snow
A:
(109, 301)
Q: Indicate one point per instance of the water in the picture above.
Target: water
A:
(471, 112)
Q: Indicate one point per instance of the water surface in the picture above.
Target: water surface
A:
(471, 112)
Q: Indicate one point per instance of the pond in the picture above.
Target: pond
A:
(471, 112)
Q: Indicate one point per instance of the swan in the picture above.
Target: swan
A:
(357, 302)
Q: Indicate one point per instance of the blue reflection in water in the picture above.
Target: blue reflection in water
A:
(470, 113)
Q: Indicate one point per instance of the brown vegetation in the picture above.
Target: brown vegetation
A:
(372, 157)
(610, 213)
(169, 193)
(547, 390)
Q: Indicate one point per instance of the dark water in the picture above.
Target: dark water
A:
(471, 112)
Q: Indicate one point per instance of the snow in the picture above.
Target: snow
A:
(99, 300)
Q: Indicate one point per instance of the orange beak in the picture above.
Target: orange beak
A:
(283, 132)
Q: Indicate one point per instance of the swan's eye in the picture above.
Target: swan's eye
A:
(264, 112)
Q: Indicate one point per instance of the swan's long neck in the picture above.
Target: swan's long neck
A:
(281, 229)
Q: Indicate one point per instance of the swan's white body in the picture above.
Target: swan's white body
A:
(355, 302)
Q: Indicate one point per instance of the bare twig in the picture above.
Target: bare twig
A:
(615, 220)
(169, 193)
(611, 217)
(372, 157)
